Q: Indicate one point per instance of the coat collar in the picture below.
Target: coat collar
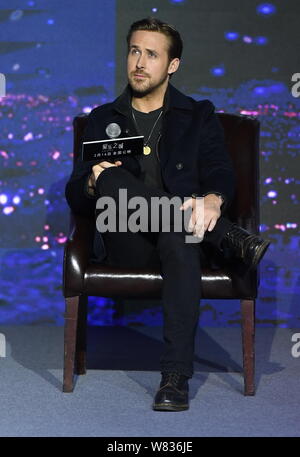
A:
(178, 111)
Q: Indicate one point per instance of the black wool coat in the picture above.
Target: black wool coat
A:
(191, 149)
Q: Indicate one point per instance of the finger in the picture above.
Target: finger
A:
(96, 168)
(210, 220)
(211, 225)
(201, 219)
(193, 221)
(199, 230)
(199, 233)
(191, 226)
(108, 164)
(187, 204)
(206, 224)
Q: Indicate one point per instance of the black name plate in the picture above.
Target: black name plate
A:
(112, 149)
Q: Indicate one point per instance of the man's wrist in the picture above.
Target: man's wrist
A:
(213, 198)
(218, 197)
(217, 194)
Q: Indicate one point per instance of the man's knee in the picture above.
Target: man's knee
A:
(173, 245)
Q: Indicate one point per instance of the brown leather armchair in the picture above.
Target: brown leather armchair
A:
(82, 278)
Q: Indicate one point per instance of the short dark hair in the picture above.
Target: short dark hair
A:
(152, 24)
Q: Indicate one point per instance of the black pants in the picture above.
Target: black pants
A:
(179, 263)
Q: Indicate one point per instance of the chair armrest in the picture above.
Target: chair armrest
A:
(77, 252)
(249, 223)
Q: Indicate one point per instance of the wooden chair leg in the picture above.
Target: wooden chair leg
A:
(80, 356)
(248, 334)
(71, 322)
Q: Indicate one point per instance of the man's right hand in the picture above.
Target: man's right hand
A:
(100, 167)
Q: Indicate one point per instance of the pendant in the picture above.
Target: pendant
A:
(147, 150)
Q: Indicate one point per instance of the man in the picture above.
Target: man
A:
(184, 155)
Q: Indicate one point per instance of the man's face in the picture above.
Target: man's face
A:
(148, 62)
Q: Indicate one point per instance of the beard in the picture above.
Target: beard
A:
(140, 89)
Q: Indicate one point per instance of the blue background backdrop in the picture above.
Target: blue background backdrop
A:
(63, 58)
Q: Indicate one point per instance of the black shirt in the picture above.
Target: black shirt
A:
(150, 166)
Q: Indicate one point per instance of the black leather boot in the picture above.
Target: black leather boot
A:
(173, 393)
(247, 247)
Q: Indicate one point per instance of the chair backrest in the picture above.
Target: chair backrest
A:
(242, 140)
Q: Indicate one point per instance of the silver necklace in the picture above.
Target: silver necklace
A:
(147, 149)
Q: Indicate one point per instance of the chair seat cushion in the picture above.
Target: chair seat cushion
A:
(107, 281)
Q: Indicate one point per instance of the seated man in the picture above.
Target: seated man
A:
(184, 156)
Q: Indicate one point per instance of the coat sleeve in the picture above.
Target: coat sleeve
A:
(77, 196)
(216, 170)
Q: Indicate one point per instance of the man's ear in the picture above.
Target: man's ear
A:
(173, 66)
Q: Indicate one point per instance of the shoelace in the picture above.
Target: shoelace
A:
(172, 378)
(237, 237)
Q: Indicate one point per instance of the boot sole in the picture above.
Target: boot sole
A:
(260, 253)
(170, 407)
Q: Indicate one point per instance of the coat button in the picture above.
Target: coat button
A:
(179, 165)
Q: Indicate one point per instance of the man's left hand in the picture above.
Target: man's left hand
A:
(200, 222)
